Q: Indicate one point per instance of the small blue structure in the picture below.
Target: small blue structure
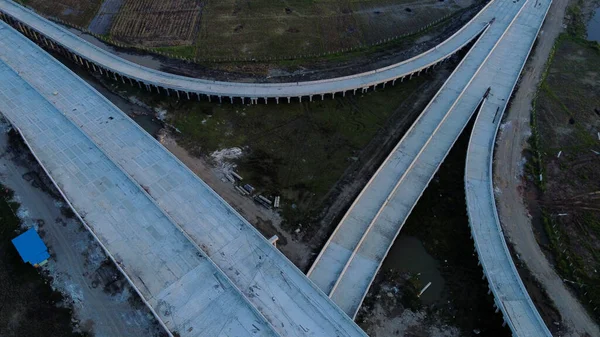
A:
(31, 248)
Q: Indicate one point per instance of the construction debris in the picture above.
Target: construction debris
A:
(276, 203)
(236, 176)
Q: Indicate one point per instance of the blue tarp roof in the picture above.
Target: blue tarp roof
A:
(31, 247)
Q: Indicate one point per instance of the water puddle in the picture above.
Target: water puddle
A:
(409, 255)
(593, 27)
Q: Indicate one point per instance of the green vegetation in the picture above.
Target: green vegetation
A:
(298, 150)
(566, 120)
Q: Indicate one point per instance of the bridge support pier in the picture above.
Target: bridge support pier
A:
(277, 100)
(289, 100)
(188, 95)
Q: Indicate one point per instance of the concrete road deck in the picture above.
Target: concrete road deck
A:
(253, 91)
(179, 283)
(501, 73)
(353, 255)
(267, 279)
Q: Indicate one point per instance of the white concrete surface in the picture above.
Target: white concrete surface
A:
(185, 290)
(273, 286)
(501, 73)
(253, 91)
(352, 256)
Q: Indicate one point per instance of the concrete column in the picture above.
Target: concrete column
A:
(289, 99)
(139, 84)
(322, 97)
(198, 95)
(87, 64)
(148, 87)
(209, 98)
(383, 85)
(220, 99)
(123, 79)
(277, 100)
(310, 97)
(231, 99)
(130, 81)
(168, 93)
(115, 76)
(188, 94)
(100, 70)
(300, 99)
(266, 100)
(344, 93)
(177, 91)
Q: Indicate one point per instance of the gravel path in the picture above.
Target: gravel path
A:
(508, 179)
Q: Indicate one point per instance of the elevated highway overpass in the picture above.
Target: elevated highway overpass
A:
(510, 294)
(201, 268)
(367, 234)
(55, 37)
(352, 256)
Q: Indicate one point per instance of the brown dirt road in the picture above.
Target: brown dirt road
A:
(509, 183)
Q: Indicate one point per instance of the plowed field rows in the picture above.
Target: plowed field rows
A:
(158, 22)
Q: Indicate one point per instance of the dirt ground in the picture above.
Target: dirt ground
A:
(158, 22)
(556, 133)
(78, 12)
(102, 302)
(211, 29)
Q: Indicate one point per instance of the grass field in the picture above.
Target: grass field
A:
(297, 151)
(78, 12)
(210, 29)
(568, 122)
(282, 28)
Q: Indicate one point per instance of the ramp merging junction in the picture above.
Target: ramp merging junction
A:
(199, 265)
(204, 237)
(351, 258)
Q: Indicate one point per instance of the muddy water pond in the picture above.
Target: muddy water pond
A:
(593, 26)
(408, 255)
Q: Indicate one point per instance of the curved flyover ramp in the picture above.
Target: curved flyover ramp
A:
(510, 294)
(352, 256)
(100, 158)
(47, 33)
